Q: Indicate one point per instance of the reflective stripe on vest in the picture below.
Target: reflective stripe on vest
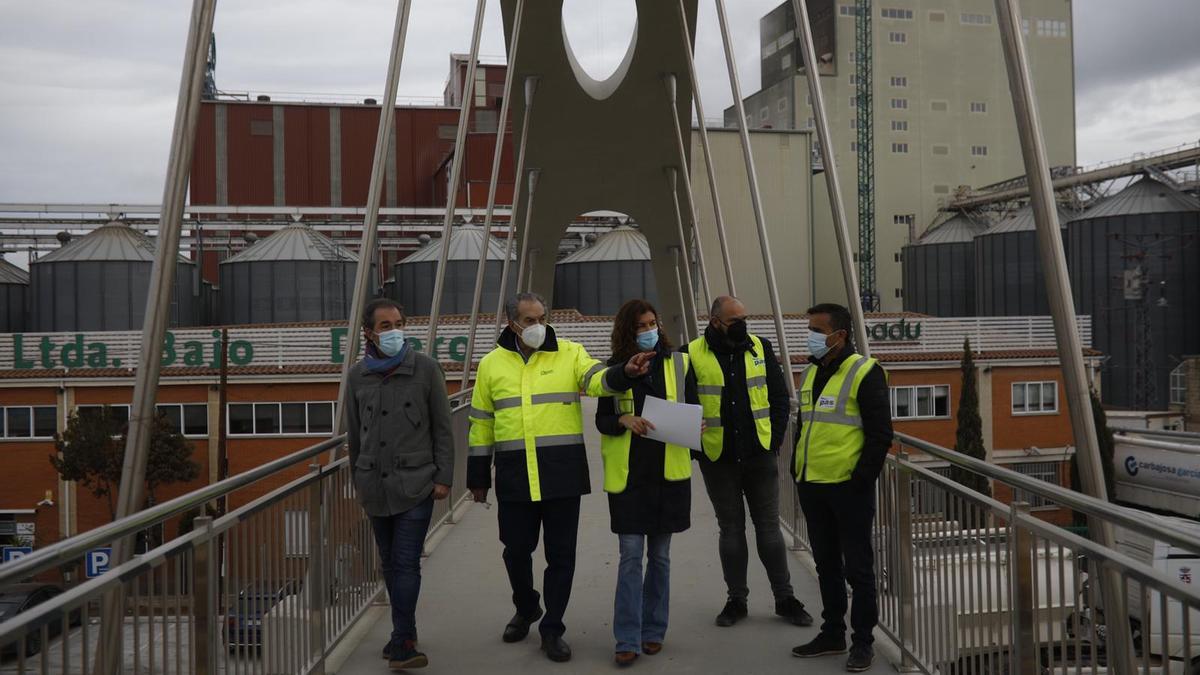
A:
(615, 449)
(710, 381)
(832, 438)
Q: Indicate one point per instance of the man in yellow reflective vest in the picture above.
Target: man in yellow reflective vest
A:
(526, 419)
(745, 403)
(844, 431)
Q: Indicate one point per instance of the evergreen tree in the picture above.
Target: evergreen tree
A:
(969, 437)
(1107, 447)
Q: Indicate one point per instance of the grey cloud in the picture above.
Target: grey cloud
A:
(1119, 41)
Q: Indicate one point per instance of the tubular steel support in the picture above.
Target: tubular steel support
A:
(383, 137)
(491, 201)
(689, 303)
(726, 260)
(1062, 309)
(756, 198)
(523, 268)
(158, 308)
(672, 98)
(685, 335)
(840, 225)
(456, 166)
(530, 90)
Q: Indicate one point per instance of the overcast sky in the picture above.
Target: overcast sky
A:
(87, 88)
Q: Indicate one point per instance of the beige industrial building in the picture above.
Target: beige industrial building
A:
(942, 110)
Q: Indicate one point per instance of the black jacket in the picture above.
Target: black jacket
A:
(741, 437)
(650, 504)
(874, 405)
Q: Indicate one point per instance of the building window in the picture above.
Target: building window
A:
(896, 13)
(852, 58)
(922, 402)
(936, 16)
(853, 101)
(812, 124)
(848, 10)
(897, 37)
(770, 49)
(978, 106)
(941, 189)
(899, 81)
(1044, 471)
(899, 104)
(900, 148)
(189, 419)
(1034, 398)
(899, 125)
(782, 105)
(940, 149)
(939, 106)
(853, 122)
(979, 151)
(969, 19)
(297, 418)
(764, 114)
(904, 219)
(1051, 28)
(1025, 27)
(1179, 384)
(854, 147)
(787, 38)
(853, 79)
(119, 412)
(33, 422)
(785, 63)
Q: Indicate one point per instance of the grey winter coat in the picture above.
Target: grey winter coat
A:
(399, 434)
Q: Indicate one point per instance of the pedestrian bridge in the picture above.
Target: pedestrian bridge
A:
(288, 583)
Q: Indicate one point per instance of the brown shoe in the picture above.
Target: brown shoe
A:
(625, 659)
(651, 648)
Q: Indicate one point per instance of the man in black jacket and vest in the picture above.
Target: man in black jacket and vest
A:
(746, 412)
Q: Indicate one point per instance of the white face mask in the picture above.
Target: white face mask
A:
(533, 336)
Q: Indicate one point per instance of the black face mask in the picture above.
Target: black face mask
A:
(737, 332)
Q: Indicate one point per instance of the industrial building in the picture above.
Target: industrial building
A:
(940, 269)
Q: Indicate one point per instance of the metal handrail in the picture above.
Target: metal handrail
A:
(1183, 436)
(71, 549)
(1118, 515)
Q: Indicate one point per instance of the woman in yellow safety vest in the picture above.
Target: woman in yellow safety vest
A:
(647, 481)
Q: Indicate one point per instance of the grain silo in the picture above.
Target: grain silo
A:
(598, 279)
(416, 274)
(14, 297)
(1008, 269)
(1135, 268)
(939, 269)
(100, 282)
(297, 274)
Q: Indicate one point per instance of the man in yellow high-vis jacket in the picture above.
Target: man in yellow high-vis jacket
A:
(526, 419)
(844, 431)
(745, 403)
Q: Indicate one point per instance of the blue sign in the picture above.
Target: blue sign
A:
(96, 561)
(16, 552)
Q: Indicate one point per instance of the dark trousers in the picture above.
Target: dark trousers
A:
(839, 531)
(733, 486)
(400, 539)
(558, 519)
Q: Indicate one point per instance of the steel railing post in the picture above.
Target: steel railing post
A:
(906, 575)
(318, 586)
(204, 586)
(683, 264)
(524, 265)
(672, 99)
(1022, 605)
(530, 89)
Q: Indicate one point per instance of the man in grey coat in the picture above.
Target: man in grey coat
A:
(402, 454)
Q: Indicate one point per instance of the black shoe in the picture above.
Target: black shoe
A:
(556, 648)
(793, 610)
(404, 655)
(518, 628)
(734, 612)
(861, 658)
(387, 649)
(822, 645)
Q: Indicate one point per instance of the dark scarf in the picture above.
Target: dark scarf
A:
(383, 365)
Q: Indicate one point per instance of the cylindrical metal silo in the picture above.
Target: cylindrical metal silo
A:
(416, 274)
(598, 279)
(939, 269)
(1008, 270)
(1136, 270)
(100, 282)
(294, 275)
(14, 298)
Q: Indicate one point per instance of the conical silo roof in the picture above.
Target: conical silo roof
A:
(11, 274)
(1022, 221)
(295, 242)
(465, 244)
(622, 243)
(114, 241)
(1147, 195)
(957, 230)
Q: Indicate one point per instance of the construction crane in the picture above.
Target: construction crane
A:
(864, 100)
(210, 70)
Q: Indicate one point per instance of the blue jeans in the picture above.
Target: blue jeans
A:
(401, 539)
(641, 607)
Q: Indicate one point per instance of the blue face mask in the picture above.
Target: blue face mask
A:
(816, 345)
(648, 340)
(391, 342)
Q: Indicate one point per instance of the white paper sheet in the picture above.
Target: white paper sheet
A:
(674, 423)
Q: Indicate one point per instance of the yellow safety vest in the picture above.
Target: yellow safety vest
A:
(711, 385)
(615, 449)
(522, 406)
(831, 440)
